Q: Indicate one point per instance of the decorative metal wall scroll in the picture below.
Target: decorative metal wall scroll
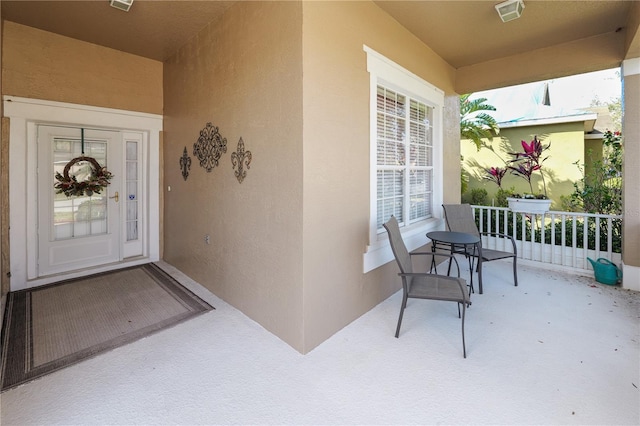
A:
(185, 164)
(210, 147)
(239, 158)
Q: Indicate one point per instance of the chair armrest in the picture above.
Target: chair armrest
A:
(498, 234)
(501, 235)
(425, 274)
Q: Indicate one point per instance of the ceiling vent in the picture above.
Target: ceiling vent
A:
(121, 4)
(508, 10)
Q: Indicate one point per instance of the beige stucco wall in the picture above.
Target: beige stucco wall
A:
(336, 156)
(244, 75)
(286, 244)
(42, 65)
(567, 148)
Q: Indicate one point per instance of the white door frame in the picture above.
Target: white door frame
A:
(23, 115)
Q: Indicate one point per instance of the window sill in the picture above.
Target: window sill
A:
(380, 253)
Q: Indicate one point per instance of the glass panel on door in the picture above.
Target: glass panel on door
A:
(132, 190)
(78, 216)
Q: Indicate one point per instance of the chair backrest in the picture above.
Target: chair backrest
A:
(397, 246)
(459, 218)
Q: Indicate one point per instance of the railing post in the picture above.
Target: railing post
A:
(597, 247)
(609, 235)
(553, 238)
(585, 239)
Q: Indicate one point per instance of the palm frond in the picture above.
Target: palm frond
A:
(475, 124)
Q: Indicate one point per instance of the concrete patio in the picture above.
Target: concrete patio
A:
(557, 349)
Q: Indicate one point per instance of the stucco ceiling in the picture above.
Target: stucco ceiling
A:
(462, 32)
(469, 32)
(153, 29)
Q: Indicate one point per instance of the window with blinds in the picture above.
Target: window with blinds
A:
(406, 157)
(404, 160)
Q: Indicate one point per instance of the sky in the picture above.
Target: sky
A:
(567, 94)
(578, 91)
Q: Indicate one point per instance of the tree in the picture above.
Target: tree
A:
(614, 105)
(475, 124)
(615, 111)
(601, 190)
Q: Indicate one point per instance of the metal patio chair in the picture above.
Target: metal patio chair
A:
(417, 285)
(460, 218)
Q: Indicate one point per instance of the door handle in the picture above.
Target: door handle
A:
(117, 197)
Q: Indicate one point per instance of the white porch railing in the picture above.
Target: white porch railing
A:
(569, 238)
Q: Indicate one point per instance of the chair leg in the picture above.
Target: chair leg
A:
(515, 272)
(433, 264)
(464, 348)
(404, 305)
(471, 263)
(458, 309)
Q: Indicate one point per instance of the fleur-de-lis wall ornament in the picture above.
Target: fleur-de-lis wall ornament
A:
(185, 164)
(210, 147)
(240, 158)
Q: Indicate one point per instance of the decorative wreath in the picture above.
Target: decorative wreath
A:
(70, 186)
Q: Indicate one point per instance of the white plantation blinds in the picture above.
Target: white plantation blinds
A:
(404, 158)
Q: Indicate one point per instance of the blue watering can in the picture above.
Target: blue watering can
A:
(606, 271)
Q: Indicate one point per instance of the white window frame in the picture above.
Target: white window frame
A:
(383, 71)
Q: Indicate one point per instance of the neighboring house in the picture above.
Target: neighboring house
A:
(312, 88)
(522, 113)
(593, 140)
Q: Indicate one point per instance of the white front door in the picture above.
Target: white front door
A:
(84, 231)
(134, 237)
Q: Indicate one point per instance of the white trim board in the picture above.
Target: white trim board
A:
(631, 67)
(630, 277)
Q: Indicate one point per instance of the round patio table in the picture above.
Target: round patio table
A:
(457, 242)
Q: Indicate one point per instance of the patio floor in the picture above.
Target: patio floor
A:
(558, 349)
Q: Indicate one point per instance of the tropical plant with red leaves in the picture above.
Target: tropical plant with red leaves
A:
(495, 175)
(529, 161)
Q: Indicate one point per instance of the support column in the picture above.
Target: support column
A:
(631, 175)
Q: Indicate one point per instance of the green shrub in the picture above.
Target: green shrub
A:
(479, 196)
(501, 196)
(601, 190)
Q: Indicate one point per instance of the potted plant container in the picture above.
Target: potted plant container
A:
(529, 205)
